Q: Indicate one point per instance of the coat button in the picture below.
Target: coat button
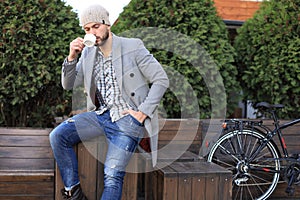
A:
(132, 94)
(131, 75)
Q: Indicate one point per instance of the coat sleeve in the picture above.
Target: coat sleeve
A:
(71, 75)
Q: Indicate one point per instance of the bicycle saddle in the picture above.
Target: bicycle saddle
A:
(267, 105)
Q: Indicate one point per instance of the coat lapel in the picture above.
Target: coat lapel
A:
(117, 59)
(89, 66)
(89, 62)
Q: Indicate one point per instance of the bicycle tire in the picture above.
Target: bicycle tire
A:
(252, 178)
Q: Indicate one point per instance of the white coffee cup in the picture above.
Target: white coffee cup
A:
(89, 40)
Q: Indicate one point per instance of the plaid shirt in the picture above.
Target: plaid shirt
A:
(108, 92)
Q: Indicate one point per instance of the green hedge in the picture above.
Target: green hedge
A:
(36, 34)
(268, 47)
(193, 22)
(34, 41)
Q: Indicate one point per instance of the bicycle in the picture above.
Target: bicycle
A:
(247, 148)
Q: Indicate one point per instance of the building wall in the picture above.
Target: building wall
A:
(237, 10)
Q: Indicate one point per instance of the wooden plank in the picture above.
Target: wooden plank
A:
(184, 187)
(23, 141)
(179, 124)
(25, 176)
(58, 184)
(27, 197)
(166, 179)
(24, 131)
(130, 186)
(189, 178)
(198, 188)
(202, 167)
(179, 135)
(26, 152)
(27, 188)
(225, 180)
(181, 132)
(26, 164)
(212, 182)
(87, 170)
(185, 156)
(210, 172)
(163, 159)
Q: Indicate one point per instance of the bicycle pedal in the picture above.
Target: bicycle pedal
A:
(295, 155)
(290, 191)
(239, 181)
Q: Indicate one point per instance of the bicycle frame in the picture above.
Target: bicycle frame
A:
(240, 124)
(248, 149)
(277, 130)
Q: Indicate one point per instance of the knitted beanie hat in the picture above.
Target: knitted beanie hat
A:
(96, 14)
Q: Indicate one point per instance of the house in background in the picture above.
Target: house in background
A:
(235, 12)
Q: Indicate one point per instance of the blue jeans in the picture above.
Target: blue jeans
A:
(122, 136)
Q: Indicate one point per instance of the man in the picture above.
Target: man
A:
(116, 74)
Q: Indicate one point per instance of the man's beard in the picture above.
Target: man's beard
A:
(103, 39)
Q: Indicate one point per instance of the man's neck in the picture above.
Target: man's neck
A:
(106, 48)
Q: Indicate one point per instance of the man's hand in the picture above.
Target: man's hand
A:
(76, 47)
(138, 115)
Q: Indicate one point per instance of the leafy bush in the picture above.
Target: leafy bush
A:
(198, 21)
(268, 47)
(34, 41)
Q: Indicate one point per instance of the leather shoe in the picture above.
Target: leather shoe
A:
(75, 194)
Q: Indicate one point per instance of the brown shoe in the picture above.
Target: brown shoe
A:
(75, 194)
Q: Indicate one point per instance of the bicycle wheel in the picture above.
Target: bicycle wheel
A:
(255, 167)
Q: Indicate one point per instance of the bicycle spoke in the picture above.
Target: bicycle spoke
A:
(254, 164)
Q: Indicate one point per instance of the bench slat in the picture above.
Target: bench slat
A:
(26, 164)
(175, 124)
(24, 131)
(13, 140)
(26, 176)
(25, 152)
(27, 188)
(21, 197)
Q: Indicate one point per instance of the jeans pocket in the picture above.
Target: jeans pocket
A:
(135, 121)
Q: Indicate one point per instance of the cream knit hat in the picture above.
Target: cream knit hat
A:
(94, 13)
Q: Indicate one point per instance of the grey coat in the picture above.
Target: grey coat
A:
(135, 69)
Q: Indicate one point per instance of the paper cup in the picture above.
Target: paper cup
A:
(89, 40)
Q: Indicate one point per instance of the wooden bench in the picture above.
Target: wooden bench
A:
(180, 133)
(141, 185)
(149, 183)
(26, 164)
(90, 155)
(183, 134)
(192, 181)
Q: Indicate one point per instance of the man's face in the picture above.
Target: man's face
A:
(101, 31)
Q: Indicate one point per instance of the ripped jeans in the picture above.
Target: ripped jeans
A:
(122, 138)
